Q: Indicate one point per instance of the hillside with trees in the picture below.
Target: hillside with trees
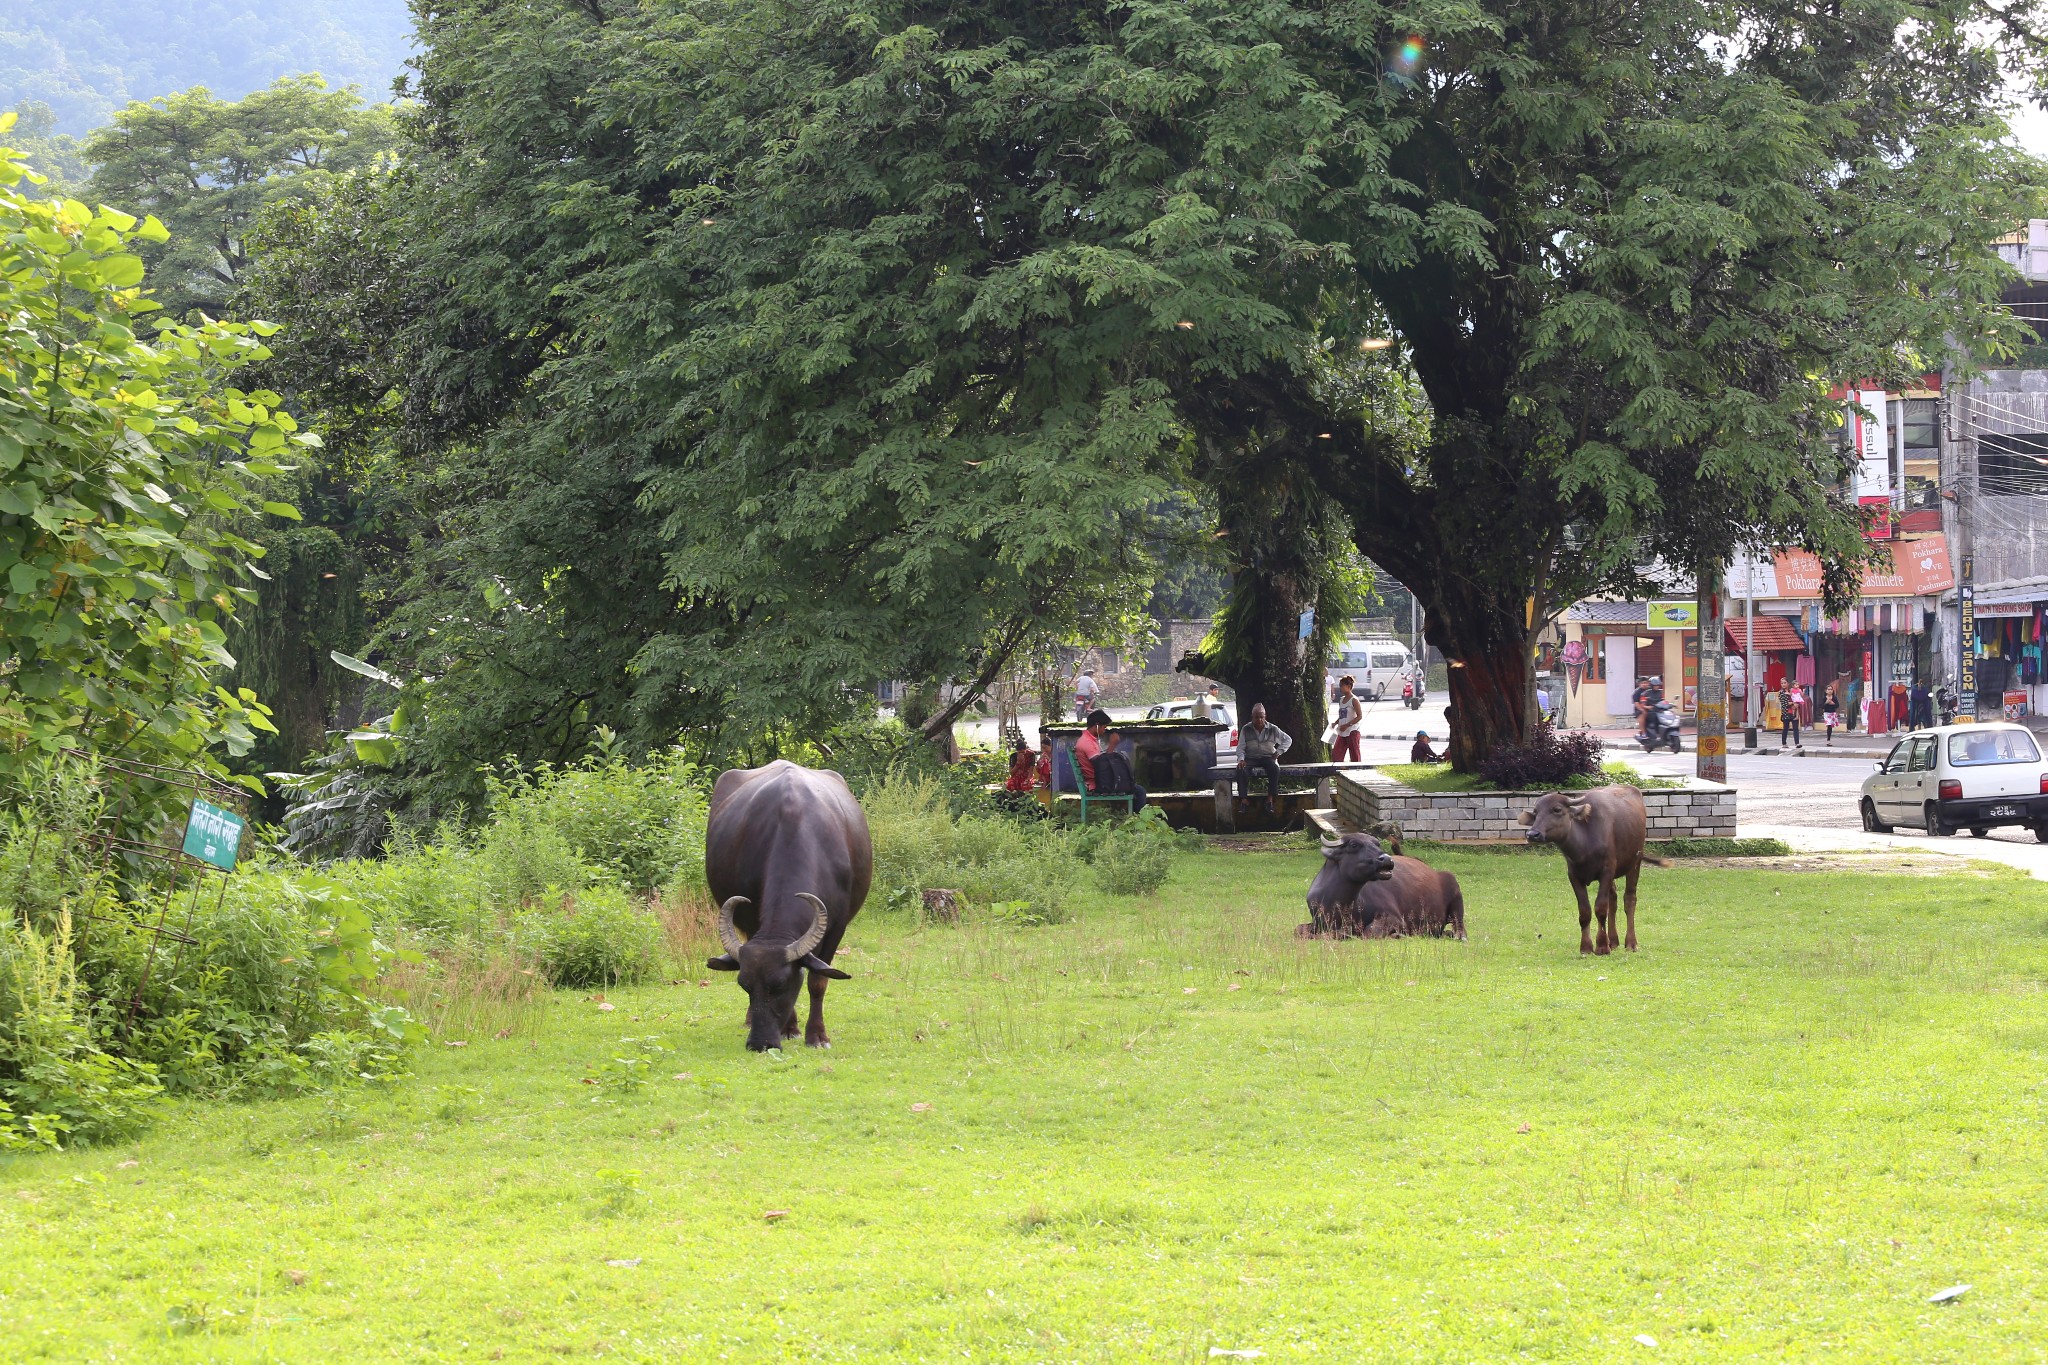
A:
(85, 63)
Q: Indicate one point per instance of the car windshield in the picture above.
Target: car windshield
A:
(1983, 748)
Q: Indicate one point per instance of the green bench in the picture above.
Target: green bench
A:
(1089, 798)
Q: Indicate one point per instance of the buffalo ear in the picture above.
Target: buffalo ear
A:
(1527, 817)
(724, 962)
(812, 962)
(1583, 811)
(1332, 850)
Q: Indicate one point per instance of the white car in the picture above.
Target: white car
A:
(1219, 713)
(1971, 777)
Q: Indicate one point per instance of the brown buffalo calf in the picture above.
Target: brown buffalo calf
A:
(1364, 892)
(1600, 833)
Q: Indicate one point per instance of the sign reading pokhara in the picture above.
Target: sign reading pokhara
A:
(1919, 568)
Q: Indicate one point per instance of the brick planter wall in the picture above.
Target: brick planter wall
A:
(1698, 810)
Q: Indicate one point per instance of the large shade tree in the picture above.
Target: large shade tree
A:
(895, 312)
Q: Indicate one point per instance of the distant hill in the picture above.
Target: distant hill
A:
(87, 61)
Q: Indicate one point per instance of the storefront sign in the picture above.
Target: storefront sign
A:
(1673, 615)
(2015, 706)
(1966, 645)
(1985, 609)
(1919, 568)
(1873, 451)
(1879, 510)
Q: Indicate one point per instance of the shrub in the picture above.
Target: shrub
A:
(912, 828)
(1721, 848)
(641, 827)
(1547, 759)
(597, 938)
(1133, 863)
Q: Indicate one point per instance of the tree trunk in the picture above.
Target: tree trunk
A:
(1487, 650)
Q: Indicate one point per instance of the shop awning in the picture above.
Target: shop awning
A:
(1773, 633)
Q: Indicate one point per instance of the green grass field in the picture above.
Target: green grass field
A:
(1812, 1101)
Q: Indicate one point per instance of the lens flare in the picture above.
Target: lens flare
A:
(1407, 59)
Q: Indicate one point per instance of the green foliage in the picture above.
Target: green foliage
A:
(912, 831)
(597, 937)
(640, 825)
(1134, 857)
(55, 156)
(126, 465)
(208, 167)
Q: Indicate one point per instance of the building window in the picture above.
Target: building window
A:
(1919, 423)
(2013, 465)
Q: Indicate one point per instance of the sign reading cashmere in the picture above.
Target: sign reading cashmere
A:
(1918, 568)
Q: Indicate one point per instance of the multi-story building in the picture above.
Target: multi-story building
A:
(1995, 507)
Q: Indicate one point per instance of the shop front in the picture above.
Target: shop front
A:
(1612, 648)
(1873, 655)
(2011, 679)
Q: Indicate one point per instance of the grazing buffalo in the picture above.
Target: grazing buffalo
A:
(789, 861)
(1601, 835)
(1365, 892)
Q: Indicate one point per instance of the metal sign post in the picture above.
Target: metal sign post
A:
(1711, 709)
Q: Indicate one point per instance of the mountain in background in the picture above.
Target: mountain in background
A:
(87, 62)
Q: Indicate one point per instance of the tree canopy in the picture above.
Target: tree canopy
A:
(207, 167)
(889, 315)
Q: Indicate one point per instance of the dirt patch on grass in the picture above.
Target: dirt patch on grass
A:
(1923, 865)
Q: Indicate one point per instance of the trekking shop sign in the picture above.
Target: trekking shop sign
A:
(1674, 615)
(213, 835)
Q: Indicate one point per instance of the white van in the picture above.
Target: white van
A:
(1374, 664)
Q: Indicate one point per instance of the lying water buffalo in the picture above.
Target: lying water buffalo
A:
(788, 858)
(1600, 833)
(1365, 892)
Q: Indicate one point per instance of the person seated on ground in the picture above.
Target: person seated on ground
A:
(1104, 771)
(1422, 753)
(1023, 769)
(1259, 746)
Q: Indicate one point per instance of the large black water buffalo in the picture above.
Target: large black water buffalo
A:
(1364, 892)
(788, 858)
(1600, 833)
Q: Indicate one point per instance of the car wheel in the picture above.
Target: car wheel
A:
(1979, 832)
(1930, 820)
(2041, 833)
(1873, 825)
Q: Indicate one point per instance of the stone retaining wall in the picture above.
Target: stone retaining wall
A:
(1699, 810)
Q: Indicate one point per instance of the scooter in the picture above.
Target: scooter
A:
(1411, 696)
(1660, 727)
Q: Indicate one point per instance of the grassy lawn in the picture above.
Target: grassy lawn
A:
(1813, 1100)
(1438, 777)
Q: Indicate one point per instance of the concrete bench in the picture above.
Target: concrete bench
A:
(1324, 774)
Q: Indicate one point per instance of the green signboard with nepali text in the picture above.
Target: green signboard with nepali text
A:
(213, 835)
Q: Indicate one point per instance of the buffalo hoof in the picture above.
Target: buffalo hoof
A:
(818, 1042)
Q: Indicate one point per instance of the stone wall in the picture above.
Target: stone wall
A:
(1698, 810)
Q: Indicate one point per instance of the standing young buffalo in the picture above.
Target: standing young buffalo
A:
(1600, 833)
(1364, 892)
(788, 858)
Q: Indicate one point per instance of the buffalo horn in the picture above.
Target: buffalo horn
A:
(728, 934)
(816, 934)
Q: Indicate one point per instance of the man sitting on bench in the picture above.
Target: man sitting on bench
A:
(1102, 767)
(1259, 746)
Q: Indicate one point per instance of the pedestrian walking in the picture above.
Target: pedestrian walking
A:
(1831, 712)
(1350, 721)
(1788, 710)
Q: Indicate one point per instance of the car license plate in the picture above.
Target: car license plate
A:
(2002, 812)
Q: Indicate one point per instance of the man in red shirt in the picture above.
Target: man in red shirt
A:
(1094, 742)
